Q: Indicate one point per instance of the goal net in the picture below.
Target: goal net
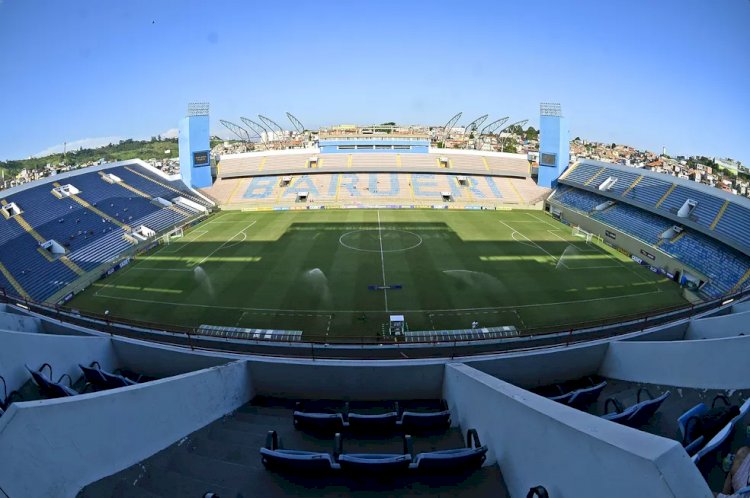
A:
(580, 232)
(174, 234)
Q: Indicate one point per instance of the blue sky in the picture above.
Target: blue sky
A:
(646, 73)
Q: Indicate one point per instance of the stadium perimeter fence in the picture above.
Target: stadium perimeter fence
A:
(369, 347)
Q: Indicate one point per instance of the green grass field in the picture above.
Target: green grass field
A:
(312, 271)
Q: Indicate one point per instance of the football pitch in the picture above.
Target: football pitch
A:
(341, 273)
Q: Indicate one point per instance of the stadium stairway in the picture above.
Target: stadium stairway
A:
(224, 458)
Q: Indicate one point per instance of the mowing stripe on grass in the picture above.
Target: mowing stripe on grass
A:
(531, 241)
(324, 312)
(226, 242)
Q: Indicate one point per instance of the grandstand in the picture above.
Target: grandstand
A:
(648, 205)
(71, 224)
(375, 189)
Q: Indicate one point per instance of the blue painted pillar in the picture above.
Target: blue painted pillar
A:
(554, 145)
(195, 150)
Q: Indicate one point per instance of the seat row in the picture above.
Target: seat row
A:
(96, 379)
(699, 440)
(328, 424)
(455, 461)
(635, 415)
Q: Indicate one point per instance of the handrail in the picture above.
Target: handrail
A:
(48, 366)
(472, 439)
(722, 398)
(643, 389)
(70, 380)
(618, 406)
(321, 347)
(538, 491)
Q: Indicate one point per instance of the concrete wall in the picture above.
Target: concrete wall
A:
(69, 447)
(19, 323)
(540, 368)
(719, 326)
(63, 353)
(376, 380)
(162, 360)
(626, 242)
(701, 364)
(573, 454)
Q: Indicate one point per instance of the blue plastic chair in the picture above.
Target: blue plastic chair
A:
(326, 424)
(273, 457)
(454, 461)
(581, 398)
(722, 437)
(646, 409)
(47, 387)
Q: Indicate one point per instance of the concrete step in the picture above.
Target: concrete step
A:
(169, 483)
(241, 454)
(251, 422)
(222, 473)
(124, 485)
(274, 411)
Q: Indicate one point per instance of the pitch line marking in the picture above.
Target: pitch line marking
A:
(181, 246)
(382, 262)
(544, 221)
(226, 242)
(319, 312)
(531, 241)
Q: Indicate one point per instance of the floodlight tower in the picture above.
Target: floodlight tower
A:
(257, 128)
(295, 122)
(492, 128)
(521, 123)
(238, 130)
(472, 127)
(195, 147)
(449, 126)
(554, 144)
(271, 124)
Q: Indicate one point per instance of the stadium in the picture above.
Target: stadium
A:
(408, 318)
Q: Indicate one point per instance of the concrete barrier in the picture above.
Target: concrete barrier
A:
(63, 353)
(702, 364)
(719, 326)
(531, 369)
(52, 448)
(536, 441)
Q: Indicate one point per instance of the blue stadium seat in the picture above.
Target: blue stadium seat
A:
(47, 387)
(424, 422)
(721, 439)
(89, 239)
(314, 463)
(326, 424)
(581, 398)
(638, 414)
(454, 461)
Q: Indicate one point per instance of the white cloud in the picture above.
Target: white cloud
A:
(170, 133)
(86, 143)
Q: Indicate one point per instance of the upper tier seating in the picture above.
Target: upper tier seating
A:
(724, 266)
(90, 226)
(713, 212)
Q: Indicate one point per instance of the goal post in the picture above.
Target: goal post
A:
(174, 234)
(580, 232)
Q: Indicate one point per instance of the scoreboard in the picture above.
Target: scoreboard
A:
(201, 158)
(547, 159)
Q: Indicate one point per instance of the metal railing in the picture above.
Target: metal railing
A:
(369, 347)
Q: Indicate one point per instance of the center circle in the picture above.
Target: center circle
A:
(385, 240)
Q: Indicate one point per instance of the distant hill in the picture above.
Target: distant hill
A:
(125, 149)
